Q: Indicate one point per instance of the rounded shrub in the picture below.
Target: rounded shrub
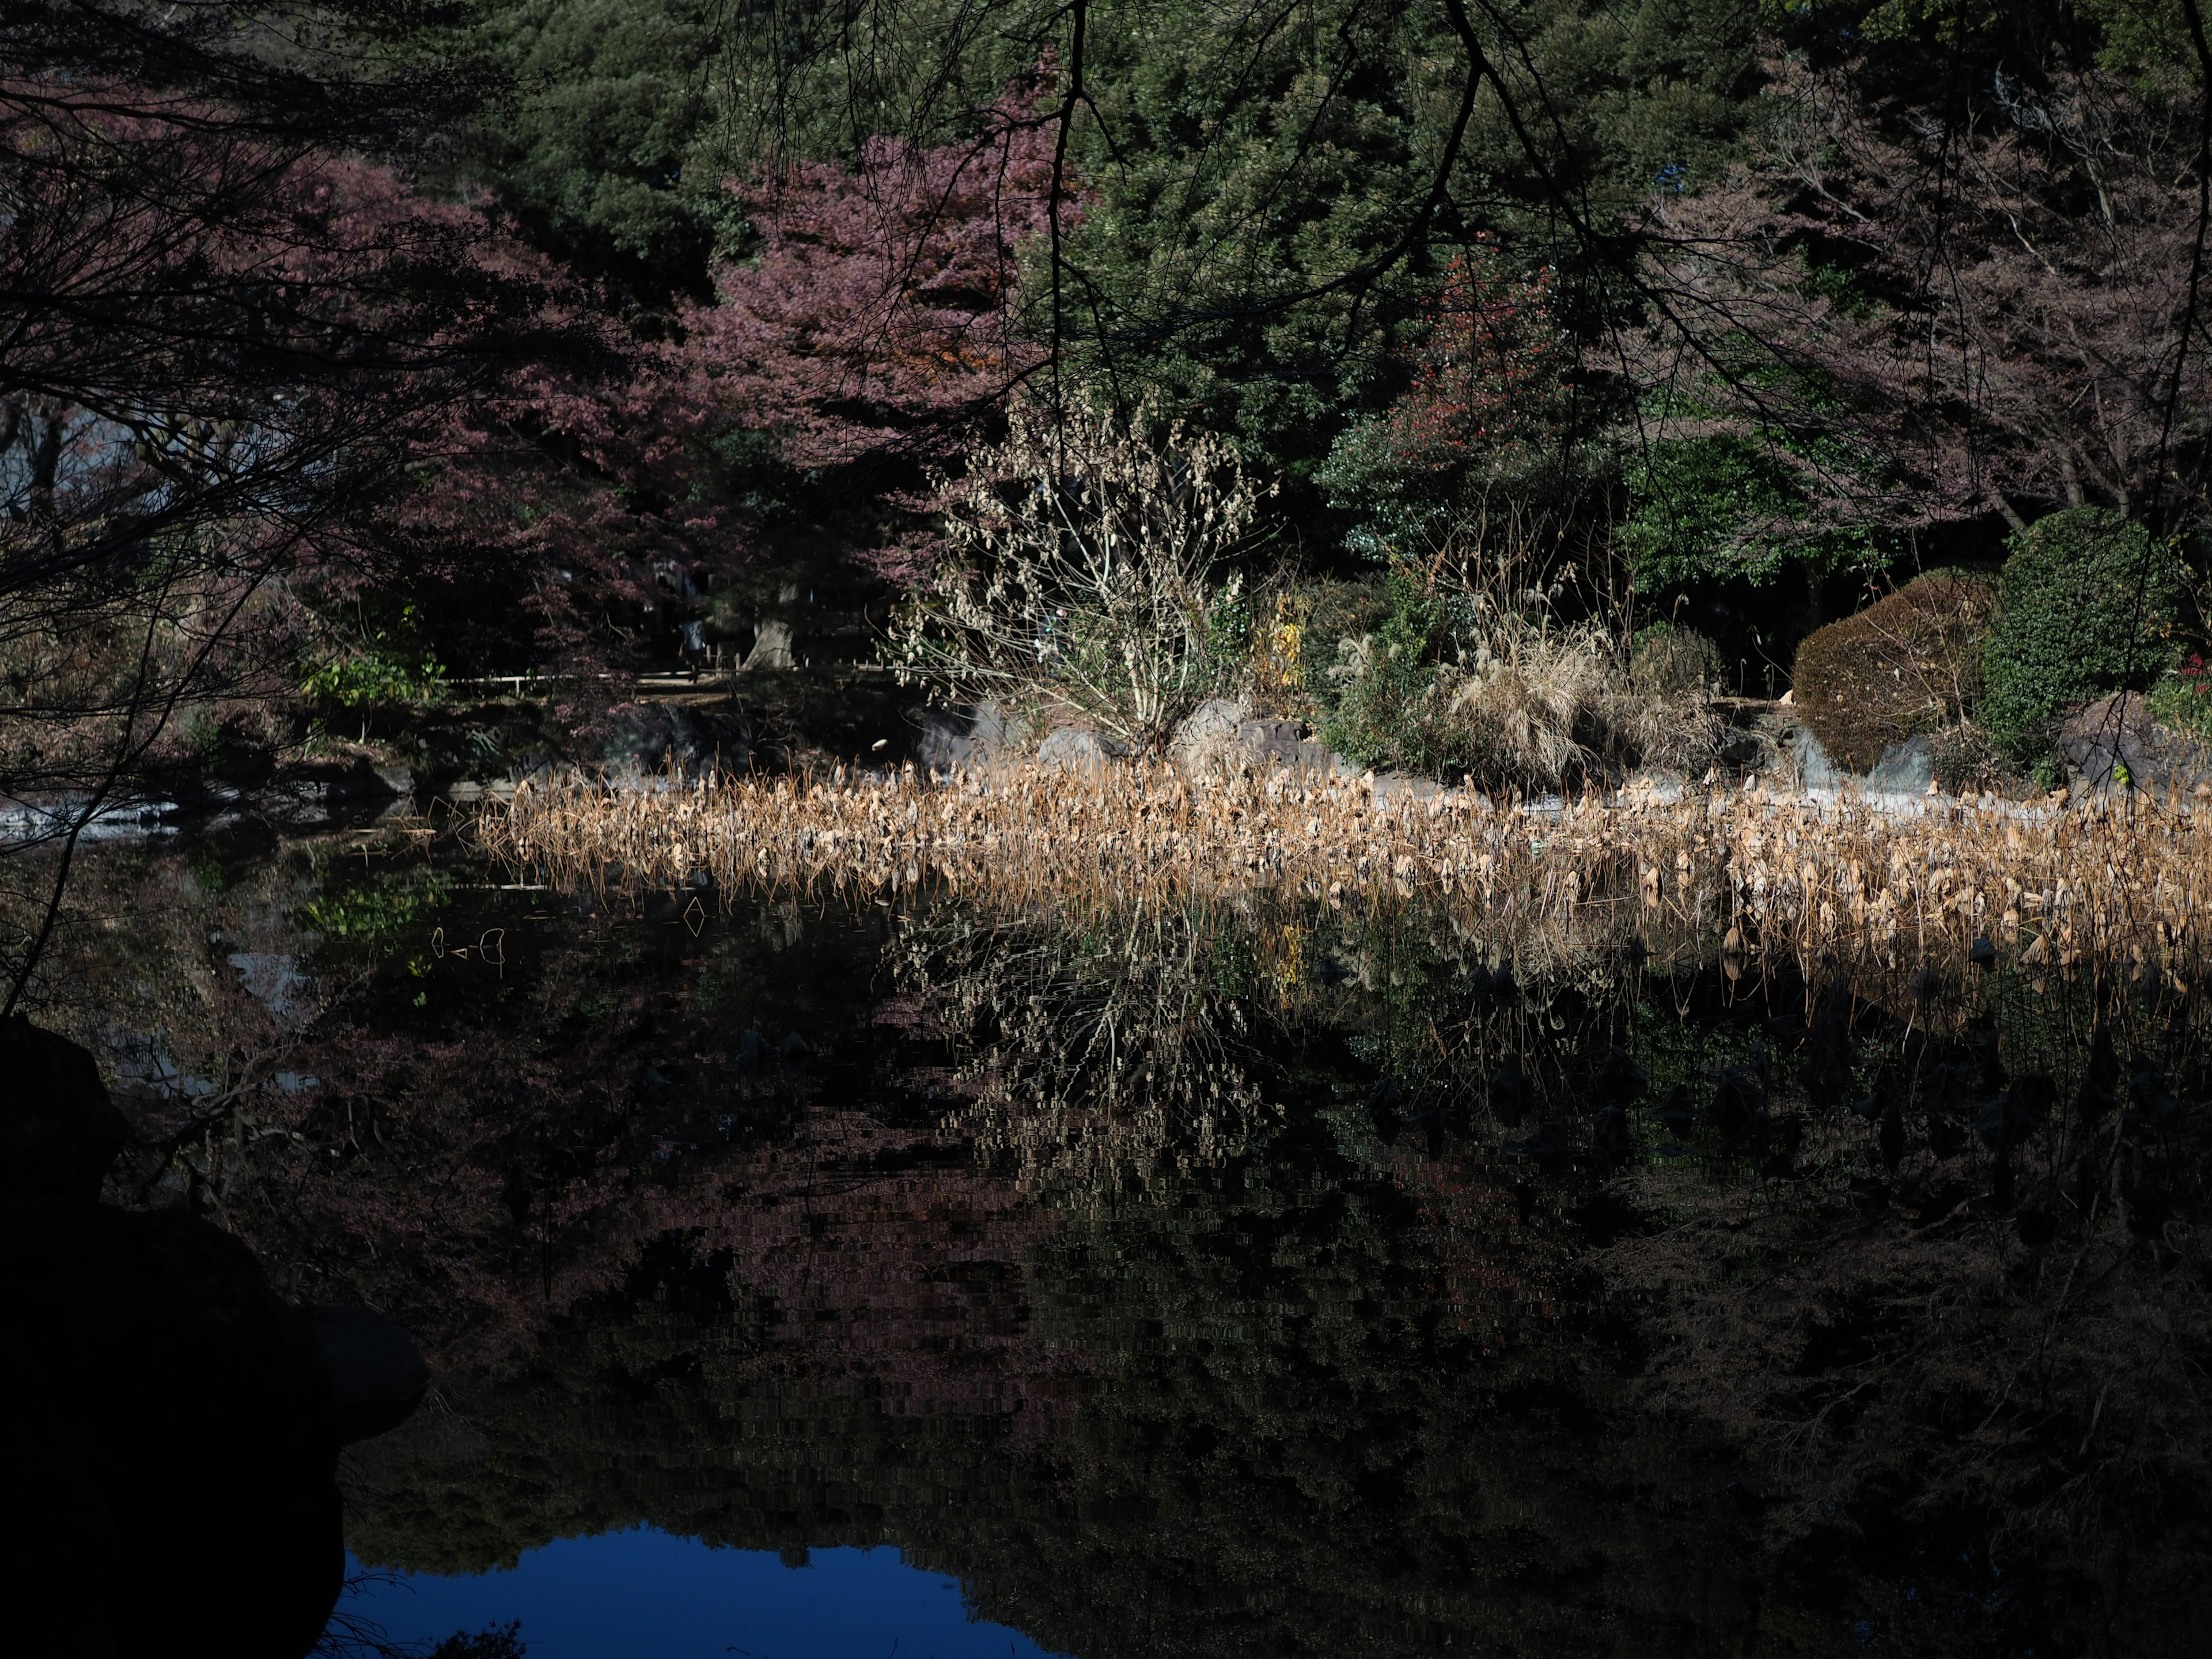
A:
(1908, 664)
(2089, 605)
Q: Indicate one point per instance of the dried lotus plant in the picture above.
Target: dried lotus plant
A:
(1760, 870)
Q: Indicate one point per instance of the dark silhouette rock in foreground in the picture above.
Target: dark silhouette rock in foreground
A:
(173, 1423)
(377, 1373)
(58, 1130)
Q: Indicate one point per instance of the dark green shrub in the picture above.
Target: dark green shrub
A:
(2089, 605)
(1723, 508)
(1375, 684)
(1908, 664)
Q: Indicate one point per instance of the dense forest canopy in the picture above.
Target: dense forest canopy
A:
(1821, 276)
(1813, 297)
(1827, 277)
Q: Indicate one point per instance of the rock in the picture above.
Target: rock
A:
(1073, 749)
(359, 782)
(173, 1423)
(2117, 732)
(1205, 744)
(1654, 788)
(1905, 768)
(1748, 750)
(378, 1376)
(1393, 785)
(647, 736)
(1271, 742)
(170, 1441)
(1265, 743)
(58, 1130)
(771, 647)
(966, 737)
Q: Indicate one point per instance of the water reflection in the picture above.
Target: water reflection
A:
(1266, 1278)
(646, 1592)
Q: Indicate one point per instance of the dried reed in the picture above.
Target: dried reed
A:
(1845, 879)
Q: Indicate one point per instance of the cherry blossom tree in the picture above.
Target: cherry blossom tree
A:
(245, 369)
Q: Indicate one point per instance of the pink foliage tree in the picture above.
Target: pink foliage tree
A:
(577, 474)
(881, 316)
(1943, 315)
(284, 369)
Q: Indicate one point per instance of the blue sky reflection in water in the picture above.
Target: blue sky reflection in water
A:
(644, 1594)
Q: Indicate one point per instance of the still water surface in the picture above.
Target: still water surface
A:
(641, 1591)
(1238, 1279)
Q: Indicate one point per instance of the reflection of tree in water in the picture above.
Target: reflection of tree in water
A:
(1399, 1286)
(1948, 1297)
(1103, 1053)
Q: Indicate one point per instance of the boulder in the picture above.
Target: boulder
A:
(647, 736)
(1072, 748)
(171, 1442)
(1905, 768)
(1404, 785)
(1750, 751)
(2115, 744)
(965, 736)
(58, 1130)
(173, 1423)
(1653, 787)
(1265, 743)
(1902, 768)
(1205, 744)
(771, 649)
(378, 1376)
(358, 782)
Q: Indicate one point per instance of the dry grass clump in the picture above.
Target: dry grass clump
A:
(1832, 880)
(1526, 701)
(1548, 706)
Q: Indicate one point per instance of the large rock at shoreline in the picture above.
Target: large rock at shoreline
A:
(2117, 732)
(173, 1422)
(1265, 743)
(1904, 769)
(1204, 745)
(965, 736)
(58, 1131)
(647, 736)
(1073, 749)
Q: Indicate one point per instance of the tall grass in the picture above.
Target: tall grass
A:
(1758, 871)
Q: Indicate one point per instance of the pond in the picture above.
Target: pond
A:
(1260, 1275)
